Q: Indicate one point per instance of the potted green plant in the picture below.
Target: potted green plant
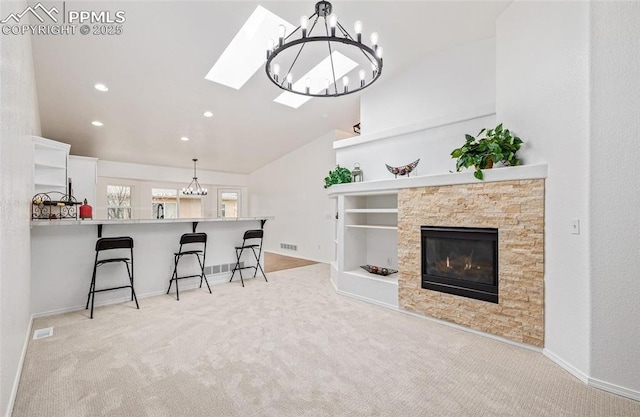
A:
(497, 145)
(339, 175)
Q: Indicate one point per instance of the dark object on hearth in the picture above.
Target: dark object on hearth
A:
(356, 128)
(404, 169)
(378, 270)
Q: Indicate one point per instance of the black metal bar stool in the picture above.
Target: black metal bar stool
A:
(252, 236)
(111, 243)
(188, 239)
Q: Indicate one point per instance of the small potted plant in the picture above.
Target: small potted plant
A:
(339, 175)
(497, 145)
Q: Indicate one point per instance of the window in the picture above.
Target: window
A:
(229, 203)
(118, 202)
(164, 203)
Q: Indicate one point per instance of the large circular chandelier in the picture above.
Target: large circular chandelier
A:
(336, 54)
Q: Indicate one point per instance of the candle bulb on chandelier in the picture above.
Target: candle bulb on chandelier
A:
(304, 22)
(281, 32)
(379, 52)
(357, 27)
(276, 71)
(307, 85)
(374, 70)
(345, 82)
(289, 80)
(362, 75)
(326, 86)
(270, 46)
(374, 40)
(333, 21)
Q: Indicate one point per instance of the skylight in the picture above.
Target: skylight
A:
(245, 54)
(317, 75)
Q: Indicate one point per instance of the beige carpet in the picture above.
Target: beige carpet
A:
(275, 262)
(289, 347)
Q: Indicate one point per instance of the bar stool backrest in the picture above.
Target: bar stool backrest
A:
(108, 243)
(193, 238)
(253, 234)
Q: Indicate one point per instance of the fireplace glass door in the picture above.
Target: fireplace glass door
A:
(461, 261)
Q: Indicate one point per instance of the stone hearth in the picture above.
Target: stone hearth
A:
(516, 209)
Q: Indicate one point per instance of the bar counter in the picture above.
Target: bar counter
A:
(63, 251)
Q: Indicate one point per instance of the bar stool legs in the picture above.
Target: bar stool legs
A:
(105, 244)
(189, 238)
(248, 235)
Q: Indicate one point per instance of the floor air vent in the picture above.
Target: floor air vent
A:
(288, 246)
(219, 269)
(42, 333)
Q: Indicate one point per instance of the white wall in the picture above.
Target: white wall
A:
(424, 112)
(615, 195)
(145, 177)
(291, 189)
(18, 121)
(447, 82)
(543, 96)
(432, 145)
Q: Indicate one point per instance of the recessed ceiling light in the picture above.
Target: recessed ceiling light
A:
(97, 123)
(101, 87)
(184, 139)
(208, 114)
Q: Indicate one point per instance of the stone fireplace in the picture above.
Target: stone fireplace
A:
(514, 211)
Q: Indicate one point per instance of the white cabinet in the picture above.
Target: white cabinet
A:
(49, 165)
(82, 171)
(367, 234)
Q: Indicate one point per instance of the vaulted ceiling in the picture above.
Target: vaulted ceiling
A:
(157, 91)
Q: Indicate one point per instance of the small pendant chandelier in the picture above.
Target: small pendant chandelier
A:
(194, 187)
(325, 81)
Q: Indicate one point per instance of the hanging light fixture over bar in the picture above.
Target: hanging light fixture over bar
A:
(329, 31)
(194, 187)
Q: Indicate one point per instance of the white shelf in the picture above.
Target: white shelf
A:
(361, 273)
(368, 188)
(374, 211)
(50, 165)
(371, 226)
(49, 184)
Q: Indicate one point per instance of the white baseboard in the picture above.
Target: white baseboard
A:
(566, 366)
(16, 382)
(366, 300)
(295, 255)
(592, 382)
(614, 389)
(213, 280)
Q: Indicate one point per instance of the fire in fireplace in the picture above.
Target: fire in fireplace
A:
(461, 261)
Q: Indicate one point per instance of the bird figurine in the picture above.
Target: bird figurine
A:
(404, 169)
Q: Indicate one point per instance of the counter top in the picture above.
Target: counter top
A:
(64, 222)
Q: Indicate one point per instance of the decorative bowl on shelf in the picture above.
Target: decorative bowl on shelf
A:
(404, 169)
(378, 270)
